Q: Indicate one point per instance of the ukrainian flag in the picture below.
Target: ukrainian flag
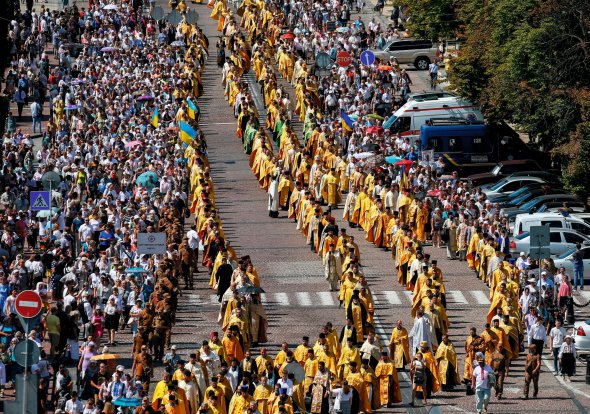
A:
(155, 117)
(187, 133)
(192, 108)
(347, 122)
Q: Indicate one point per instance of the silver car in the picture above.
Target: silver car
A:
(560, 241)
(419, 53)
(581, 337)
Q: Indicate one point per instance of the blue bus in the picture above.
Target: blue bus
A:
(462, 145)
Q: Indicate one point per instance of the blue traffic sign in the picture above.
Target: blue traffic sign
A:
(322, 60)
(40, 200)
(367, 58)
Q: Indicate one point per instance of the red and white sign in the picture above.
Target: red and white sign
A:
(28, 304)
(343, 59)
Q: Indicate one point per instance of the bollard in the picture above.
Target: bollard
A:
(570, 311)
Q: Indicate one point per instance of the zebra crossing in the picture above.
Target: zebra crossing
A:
(388, 298)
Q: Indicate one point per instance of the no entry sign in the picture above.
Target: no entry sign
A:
(343, 59)
(28, 304)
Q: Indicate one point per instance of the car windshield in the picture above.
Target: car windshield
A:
(530, 204)
(517, 193)
(499, 184)
(566, 254)
(519, 200)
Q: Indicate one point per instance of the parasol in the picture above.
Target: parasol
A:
(127, 402)
(144, 98)
(110, 7)
(132, 144)
(178, 43)
(250, 289)
(375, 116)
(363, 155)
(288, 36)
(148, 180)
(109, 49)
(78, 82)
(404, 162)
(105, 357)
(392, 159)
(45, 213)
(384, 67)
(295, 369)
(375, 129)
(71, 107)
(343, 29)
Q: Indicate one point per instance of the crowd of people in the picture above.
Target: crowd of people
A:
(401, 207)
(123, 137)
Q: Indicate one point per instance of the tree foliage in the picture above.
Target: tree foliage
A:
(527, 62)
(431, 19)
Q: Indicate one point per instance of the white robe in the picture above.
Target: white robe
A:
(422, 331)
(273, 195)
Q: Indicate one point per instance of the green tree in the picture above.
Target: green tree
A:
(431, 19)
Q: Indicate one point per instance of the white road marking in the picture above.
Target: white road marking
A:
(326, 298)
(214, 299)
(565, 384)
(480, 297)
(409, 295)
(456, 296)
(582, 298)
(263, 298)
(392, 297)
(194, 299)
(282, 299)
(304, 298)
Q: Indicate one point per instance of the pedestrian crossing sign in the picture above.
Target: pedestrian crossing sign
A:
(39, 200)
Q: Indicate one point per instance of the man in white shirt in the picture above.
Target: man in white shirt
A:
(538, 336)
(73, 405)
(480, 382)
(286, 383)
(556, 337)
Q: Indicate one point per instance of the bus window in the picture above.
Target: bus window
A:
(402, 124)
(434, 143)
(455, 144)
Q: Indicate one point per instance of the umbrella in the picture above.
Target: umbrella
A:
(144, 98)
(109, 49)
(135, 270)
(177, 43)
(250, 289)
(78, 82)
(384, 67)
(71, 107)
(343, 29)
(105, 357)
(375, 116)
(127, 402)
(295, 369)
(363, 155)
(404, 162)
(288, 36)
(110, 7)
(392, 159)
(375, 129)
(45, 213)
(131, 144)
(148, 180)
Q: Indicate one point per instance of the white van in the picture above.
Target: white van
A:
(409, 118)
(524, 222)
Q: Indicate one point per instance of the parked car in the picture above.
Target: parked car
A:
(581, 337)
(508, 185)
(408, 51)
(579, 208)
(523, 194)
(503, 169)
(565, 260)
(536, 203)
(560, 241)
(524, 222)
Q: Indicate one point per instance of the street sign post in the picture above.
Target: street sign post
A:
(343, 59)
(539, 236)
(367, 58)
(28, 307)
(151, 243)
(40, 200)
(26, 358)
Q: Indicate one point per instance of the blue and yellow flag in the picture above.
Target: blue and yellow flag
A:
(187, 133)
(155, 118)
(347, 123)
(192, 108)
